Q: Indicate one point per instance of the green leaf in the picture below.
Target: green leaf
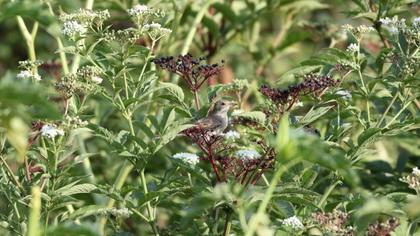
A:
(71, 230)
(303, 5)
(368, 135)
(212, 26)
(315, 114)
(256, 116)
(226, 11)
(174, 92)
(76, 189)
(87, 211)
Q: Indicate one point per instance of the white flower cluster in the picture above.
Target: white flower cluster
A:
(413, 180)
(74, 122)
(299, 104)
(293, 222)
(50, 131)
(189, 158)
(122, 212)
(394, 24)
(231, 135)
(143, 15)
(247, 155)
(353, 48)
(344, 93)
(358, 31)
(236, 112)
(138, 10)
(73, 28)
(416, 23)
(27, 74)
(156, 31)
(97, 79)
(76, 24)
(416, 172)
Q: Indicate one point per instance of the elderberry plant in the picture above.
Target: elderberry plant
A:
(209, 117)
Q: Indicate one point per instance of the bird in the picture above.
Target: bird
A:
(217, 119)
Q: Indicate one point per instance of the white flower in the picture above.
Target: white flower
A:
(299, 104)
(236, 112)
(293, 223)
(416, 172)
(344, 93)
(50, 131)
(156, 30)
(73, 28)
(385, 21)
(394, 24)
(363, 29)
(138, 10)
(246, 155)
(122, 212)
(189, 158)
(232, 135)
(97, 79)
(353, 48)
(393, 30)
(27, 74)
(152, 25)
(416, 22)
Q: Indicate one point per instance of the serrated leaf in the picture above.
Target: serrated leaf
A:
(87, 211)
(226, 11)
(173, 90)
(313, 115)
(367, 135)
(76, 189)
(256, 116)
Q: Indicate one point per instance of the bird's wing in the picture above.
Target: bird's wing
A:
(208, 123)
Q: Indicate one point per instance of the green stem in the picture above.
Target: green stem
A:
(119, 181)
(197, 100)
(11, 175)
(125, 86)
(35, 212)
(194, 26)
(76, 59)
(387, 110)
(139, 214)
(190, 36)
(254, 221)
(60, 45)
(146, 62)
(29, 38)
(228, 224)
(89, 4)
(149, 207)
(398, 114)
(327, 193)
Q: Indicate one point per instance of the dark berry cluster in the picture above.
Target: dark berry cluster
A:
(312, 84)
(193, 70)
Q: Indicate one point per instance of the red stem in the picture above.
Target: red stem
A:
(214, 168)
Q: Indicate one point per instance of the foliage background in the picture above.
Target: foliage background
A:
(262, 42)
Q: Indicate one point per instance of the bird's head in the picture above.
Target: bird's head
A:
(222, 106)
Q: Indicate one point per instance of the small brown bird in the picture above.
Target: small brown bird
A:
(217, 119)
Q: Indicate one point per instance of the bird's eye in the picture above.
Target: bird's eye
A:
(223, 103)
